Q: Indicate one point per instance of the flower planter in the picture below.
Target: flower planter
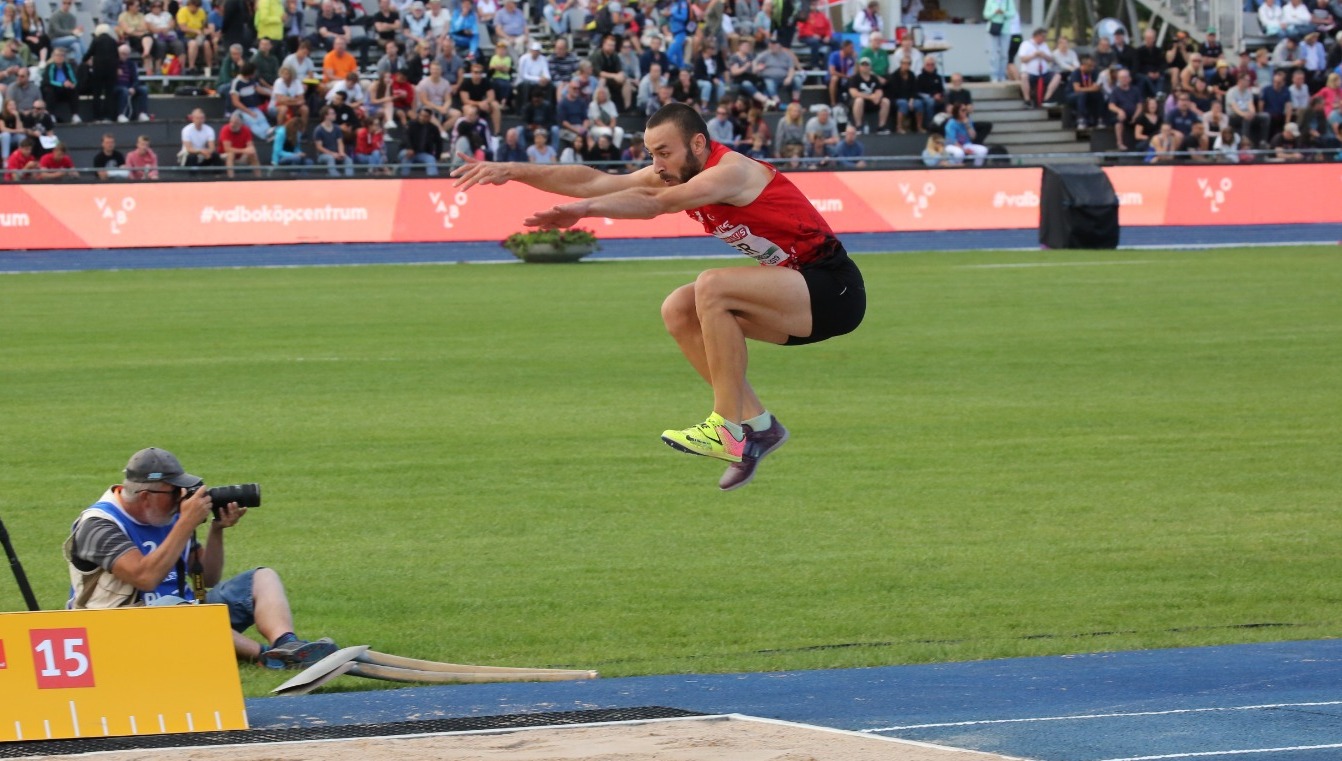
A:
(544, 253)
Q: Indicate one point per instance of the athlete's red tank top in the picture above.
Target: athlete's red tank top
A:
(779, 228)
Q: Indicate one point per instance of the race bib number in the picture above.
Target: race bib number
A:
(740, 238)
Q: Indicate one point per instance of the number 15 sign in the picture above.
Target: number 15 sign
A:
(128, 671)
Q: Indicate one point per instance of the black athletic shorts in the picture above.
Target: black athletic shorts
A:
(838, 298)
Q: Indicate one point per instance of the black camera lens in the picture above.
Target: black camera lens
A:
(246, 495)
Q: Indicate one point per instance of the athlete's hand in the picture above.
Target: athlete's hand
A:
(554, 218)
(476, 172)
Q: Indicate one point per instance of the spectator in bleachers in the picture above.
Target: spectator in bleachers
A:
(1215, 119)
(563, 65)
(347, 118)
(1262, 68)
(142, 163)
(267, 65)
(961, 137)
(511, 148)
(301, 63)
(755, 124)
(402, 98)
(338, 63)
(1275, 98)
(665, 94)
(247, 97)
(65, 32)
(1163, 145)
(605, 154)
(849, 152)
(1183, 117)
(23, 90)
(741, 71)
(1150, 66)
(678, 21)
(1065, 61)
(604, 119)
(286, 99)
(329, 142)
(932, 90)
(11, 128)
(817, 33)
(228, 71)
(293, 25)
(822, 137)
(709, 73)
(510, 29)
(1147, 124)
(1245, 117)
(575, 152)
(192, 24)
(1287, 145)
(198, 143)
(1314, 58)
(841, 65)
(634, 155)
(564, 16)
(790, 135)
(453, 65)
(869, 19)
(284, 148)
(384, 26)
(133, 29)
(56, 165)
(34, 33)
(533, 74)
(268, 23)
(653, 54)
(607, 67)
(758, 148)
(785, 22)
(370, 146)
(653, 81)
(417, 26)
(60, 88)
(1193, 69)
(876, 53)
(1326, 16)
(1211, 52)
(935, 154)
(1227, 147)
(465, 29)
(539, 114)
(1125, 105)
(1033, 61)
(235, 23)
(867, 94)
(1200, 96)
(104, 63)
(379, 101)
(1300, 95)
(571, 113)
(21, 162)
(777, 67)
(905, 51)
(486, 9)
(721, 128)
(1221, 80)
(685, 90)
(902, 90)
(40, 125)
(237, 143)
(541, 152)
(434, 95)
(1297, 19)
(131, 95)
(1286, 55)
(501, 77)
(423, 144)
(1002, 18)
(356, 97)
(1198, 144)
(13, 56)
(1084, 95)
(392, 61)
(440, 20)
(1270, 18)
(331, 26)
(476, 91)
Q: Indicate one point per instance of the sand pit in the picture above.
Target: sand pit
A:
(716, 738)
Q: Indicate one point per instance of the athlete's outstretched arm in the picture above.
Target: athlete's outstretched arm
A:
(719, 184)
(573, 180)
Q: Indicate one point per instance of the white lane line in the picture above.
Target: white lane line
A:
(1214, 753)
(1021, 265)
(1080, 717)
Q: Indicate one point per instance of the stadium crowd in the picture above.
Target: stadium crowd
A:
(333, 84)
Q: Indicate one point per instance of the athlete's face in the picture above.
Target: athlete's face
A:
(674, 158)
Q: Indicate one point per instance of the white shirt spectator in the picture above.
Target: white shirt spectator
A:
(280, 90)
(198, 138)
(722, 131)
(915, 57)
(355, 97)
(1293, 14)
(1269, 18)
(1038, 65)
(439, 22)
(1065, 63)
(533, 69)
(537, 156)
(302, 69)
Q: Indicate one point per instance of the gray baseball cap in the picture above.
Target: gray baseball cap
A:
(155, 465)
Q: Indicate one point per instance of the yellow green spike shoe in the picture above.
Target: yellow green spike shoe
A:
(710, 439)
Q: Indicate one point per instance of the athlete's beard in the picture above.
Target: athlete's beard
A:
(692, 166)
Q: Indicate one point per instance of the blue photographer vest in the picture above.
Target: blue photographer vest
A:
(147, 539)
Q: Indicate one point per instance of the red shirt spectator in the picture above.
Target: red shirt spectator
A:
(402, 92)
(236, 137)
(56, 165)
(368, 141)
(20, 159)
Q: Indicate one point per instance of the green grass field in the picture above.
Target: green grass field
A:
(1135, 449)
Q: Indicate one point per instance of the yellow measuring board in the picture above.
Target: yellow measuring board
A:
(126, 671)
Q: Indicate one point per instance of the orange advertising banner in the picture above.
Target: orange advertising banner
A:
(168, 214)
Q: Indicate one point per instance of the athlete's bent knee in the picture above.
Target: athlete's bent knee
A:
(708, 290)
(678, 312)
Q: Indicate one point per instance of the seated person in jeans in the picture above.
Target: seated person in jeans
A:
(1084, 94)
(137, 544)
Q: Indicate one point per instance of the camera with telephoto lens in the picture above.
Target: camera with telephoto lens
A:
(246, 495)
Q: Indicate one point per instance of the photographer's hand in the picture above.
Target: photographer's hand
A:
(229, 515)
(195, 510)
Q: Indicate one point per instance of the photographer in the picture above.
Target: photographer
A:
(137, 546)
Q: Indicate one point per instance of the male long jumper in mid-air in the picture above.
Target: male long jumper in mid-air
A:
(807, 291)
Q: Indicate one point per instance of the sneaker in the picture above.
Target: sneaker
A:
(883, 131)
(75, 119)
(144, 117)
(122, 119)
(297, 654)
(758, 444)
(710, 439)
(1082, 124)
(1049, 104)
